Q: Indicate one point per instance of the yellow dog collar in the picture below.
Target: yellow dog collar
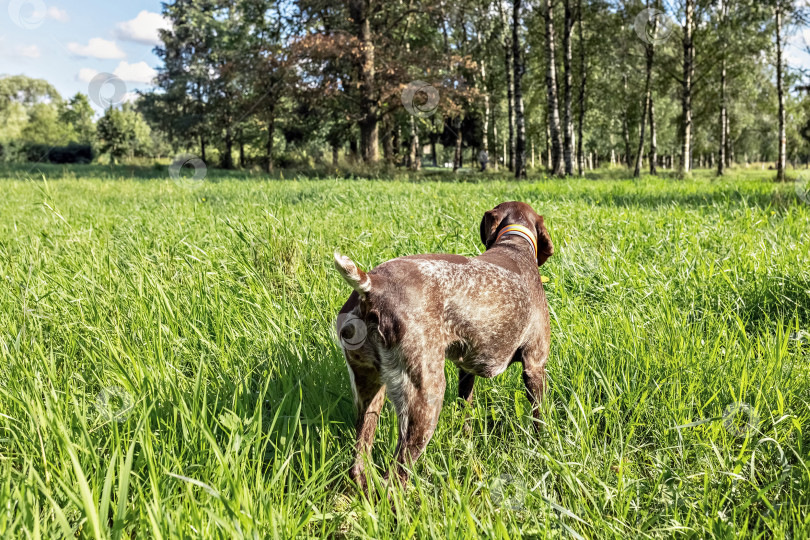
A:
(519, 230)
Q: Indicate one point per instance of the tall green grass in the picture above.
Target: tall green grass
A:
(168, 369)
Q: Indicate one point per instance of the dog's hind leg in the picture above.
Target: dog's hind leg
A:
(418, 401)
(534, 357)
(370, 395)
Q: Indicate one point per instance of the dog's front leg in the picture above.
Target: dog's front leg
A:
(370, 395)
(466, 382)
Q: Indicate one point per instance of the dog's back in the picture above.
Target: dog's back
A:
(465, 307)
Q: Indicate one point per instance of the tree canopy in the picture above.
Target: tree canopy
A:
(562, 84)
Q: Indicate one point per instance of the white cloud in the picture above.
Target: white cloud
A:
(136, 73)
(97, 48)
(139, 73)
(57, 14)
(86, 75)
(27, 51)
(130, 97)
(143, 28)
(16, 52)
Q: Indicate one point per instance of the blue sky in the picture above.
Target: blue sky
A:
(68, 42)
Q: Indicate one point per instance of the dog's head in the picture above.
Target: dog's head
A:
(516, 213)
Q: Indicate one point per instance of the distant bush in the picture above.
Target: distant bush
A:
(13, 151)
(36, 152)
(72, 153)
(289, 160)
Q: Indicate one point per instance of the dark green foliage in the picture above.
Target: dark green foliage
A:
(72, 153)
(123, 133)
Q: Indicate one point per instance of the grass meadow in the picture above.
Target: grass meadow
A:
(168, 365)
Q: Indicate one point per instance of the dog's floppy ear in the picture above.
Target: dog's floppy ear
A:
(489, 224)
(545, 248)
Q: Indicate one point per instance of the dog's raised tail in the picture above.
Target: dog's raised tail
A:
(352, 274)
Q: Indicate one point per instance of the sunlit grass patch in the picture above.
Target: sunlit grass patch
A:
(168, 367)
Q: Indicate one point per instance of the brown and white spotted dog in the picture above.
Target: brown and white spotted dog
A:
(406, 316)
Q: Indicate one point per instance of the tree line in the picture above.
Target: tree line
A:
(40, 125)
(563, 84)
